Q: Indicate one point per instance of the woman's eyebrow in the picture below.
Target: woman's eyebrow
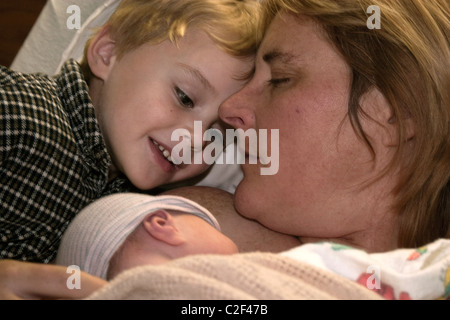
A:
(275, 56)
(197, 75)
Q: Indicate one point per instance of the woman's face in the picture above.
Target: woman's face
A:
(301, 88)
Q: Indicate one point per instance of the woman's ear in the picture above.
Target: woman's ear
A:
(162, 226)
(383, 123)
(101, 54)
(408, 124)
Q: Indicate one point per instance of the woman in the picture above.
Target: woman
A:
(364, 122)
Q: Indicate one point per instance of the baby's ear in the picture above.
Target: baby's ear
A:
(162, 226)
(101, 54)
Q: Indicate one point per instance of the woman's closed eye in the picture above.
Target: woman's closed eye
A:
(184, 99)
(276, 82)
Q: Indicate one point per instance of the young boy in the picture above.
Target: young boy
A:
(126, 230)
(105, 127)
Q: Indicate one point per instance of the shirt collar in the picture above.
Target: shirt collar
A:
(74, 95)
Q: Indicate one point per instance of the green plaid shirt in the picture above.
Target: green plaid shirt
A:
(53, 160)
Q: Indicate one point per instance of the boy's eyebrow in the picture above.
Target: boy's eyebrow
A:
(195, 73)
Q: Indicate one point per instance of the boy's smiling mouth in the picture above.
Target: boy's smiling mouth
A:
(163, 156)
(166, 153)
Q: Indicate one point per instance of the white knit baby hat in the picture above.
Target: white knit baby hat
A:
(99, 229)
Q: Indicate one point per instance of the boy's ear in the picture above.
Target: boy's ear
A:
(162, 226)
(101, 54)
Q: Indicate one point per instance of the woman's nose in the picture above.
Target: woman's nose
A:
(238, 110)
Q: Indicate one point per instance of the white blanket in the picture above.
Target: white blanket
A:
(239, 277)
(312, 271)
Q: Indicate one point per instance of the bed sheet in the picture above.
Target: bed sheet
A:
(403, 274)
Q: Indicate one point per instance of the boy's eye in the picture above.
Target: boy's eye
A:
(184, 98)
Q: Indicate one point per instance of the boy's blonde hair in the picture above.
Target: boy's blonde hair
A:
(408, 61)
(232, 24)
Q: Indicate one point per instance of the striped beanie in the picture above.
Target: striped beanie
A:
(98, 230)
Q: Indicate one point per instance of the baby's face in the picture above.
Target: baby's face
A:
(156, 90)
(203, 238)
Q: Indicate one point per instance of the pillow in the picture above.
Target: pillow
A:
(96, 19)
(51, 42)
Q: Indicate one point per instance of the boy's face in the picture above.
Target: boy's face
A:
(154, 90)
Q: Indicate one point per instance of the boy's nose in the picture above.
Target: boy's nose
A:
(238, 110)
